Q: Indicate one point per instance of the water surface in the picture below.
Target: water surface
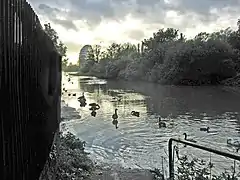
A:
(138, 142)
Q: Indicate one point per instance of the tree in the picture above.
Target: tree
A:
(113, 51)
(94, 53)
(59, 45)
(168, 35)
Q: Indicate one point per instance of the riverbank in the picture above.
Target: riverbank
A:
(230, 84)
(68, 159)
(118, 173)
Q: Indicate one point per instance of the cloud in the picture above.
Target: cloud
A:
(72, 47)
(150, 11)
(136, 34)
(87, 21)
(65, 23)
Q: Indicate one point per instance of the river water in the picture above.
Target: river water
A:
(138, 142)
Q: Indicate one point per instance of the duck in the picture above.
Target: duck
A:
(115, 115)
(161, 123)
(211, 131)
(94, 106)
(83, 104)
(74, 94)
(82, 98)
(186, 139)
(93, 113)
(115, 122)
(69, 94)
(116, 99)
(204, 129)
(135, 113)
(233, 142)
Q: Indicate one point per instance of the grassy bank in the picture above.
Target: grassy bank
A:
(67, 160)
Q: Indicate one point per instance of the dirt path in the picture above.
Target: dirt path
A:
(121, 174)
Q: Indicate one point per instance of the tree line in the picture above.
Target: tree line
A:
(167, 58)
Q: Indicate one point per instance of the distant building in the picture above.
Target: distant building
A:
(84, 53)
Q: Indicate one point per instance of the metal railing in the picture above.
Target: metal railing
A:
(195, 145)
(30, 88)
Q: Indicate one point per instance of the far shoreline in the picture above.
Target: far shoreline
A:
(229, 88)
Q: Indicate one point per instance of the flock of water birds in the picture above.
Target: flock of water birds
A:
(161, 123)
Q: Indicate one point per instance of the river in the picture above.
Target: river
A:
(138, 142)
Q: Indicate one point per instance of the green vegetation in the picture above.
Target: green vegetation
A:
(71, 68)
(68, 160)
(201, 170)
(187, 168)
(73, 160)
(169, 58)
(59, 45)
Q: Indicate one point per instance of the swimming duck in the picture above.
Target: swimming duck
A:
(211, 131)
(116, 99)
(186, 139)
(74, 94)
(94, 106)
(135, 113)
(93, 113)
(233, 142)
(115, 116)
(82, 98)
(115, 122)
(161, 123)
(204, 129)
(69, 94)
(83, 104)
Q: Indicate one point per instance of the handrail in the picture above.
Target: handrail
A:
(170, 152)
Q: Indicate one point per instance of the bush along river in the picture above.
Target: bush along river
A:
(139, 142)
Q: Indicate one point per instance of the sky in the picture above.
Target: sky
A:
(80, 22)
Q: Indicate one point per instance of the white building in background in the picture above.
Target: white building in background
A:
(84, 53)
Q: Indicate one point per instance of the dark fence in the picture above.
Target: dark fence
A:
(30, 76)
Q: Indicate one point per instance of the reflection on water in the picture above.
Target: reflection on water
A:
(138, 142)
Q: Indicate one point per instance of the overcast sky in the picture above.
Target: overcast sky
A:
(80, 22)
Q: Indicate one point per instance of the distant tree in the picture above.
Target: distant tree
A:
(95, 53)
(59, 45)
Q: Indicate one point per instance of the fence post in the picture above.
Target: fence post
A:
(171, 163)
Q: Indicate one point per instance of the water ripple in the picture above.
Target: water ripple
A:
(138, 142)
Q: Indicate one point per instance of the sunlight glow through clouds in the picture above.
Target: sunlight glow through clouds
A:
(132, 20)
(109, 31)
